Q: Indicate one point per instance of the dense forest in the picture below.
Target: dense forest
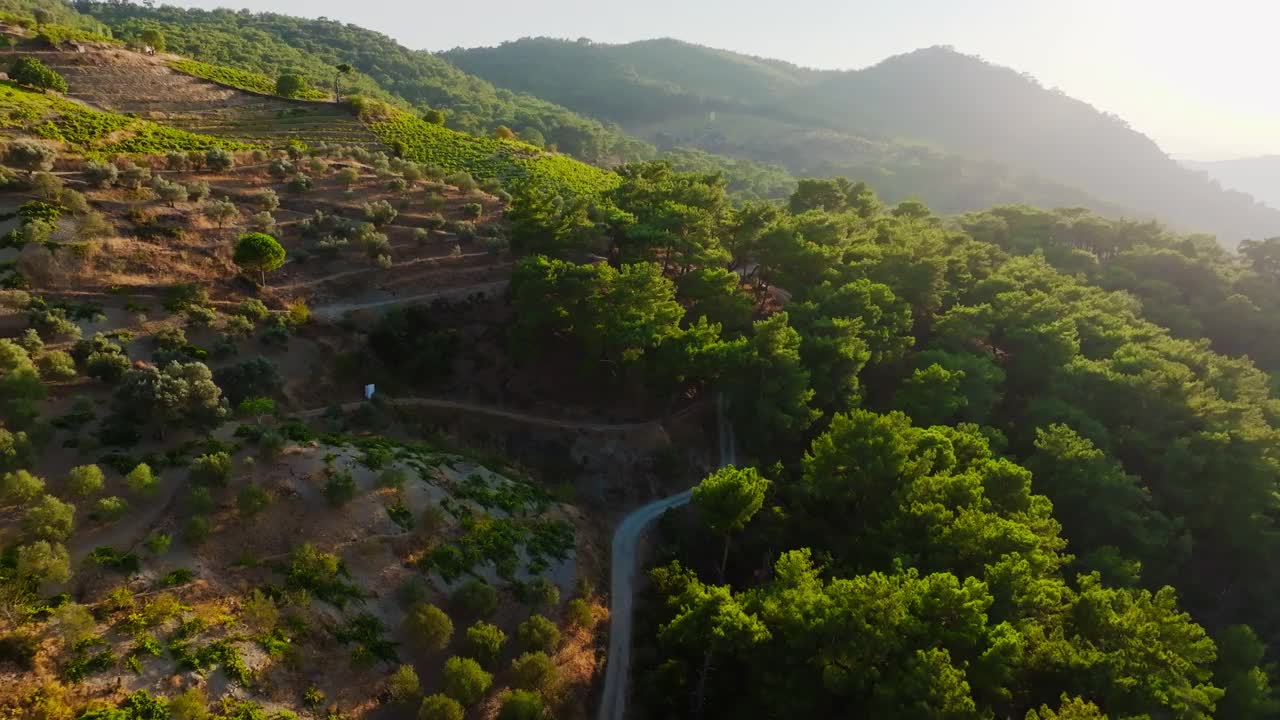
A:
(985, 482)
(1019, 141)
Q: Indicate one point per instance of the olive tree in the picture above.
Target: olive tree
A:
(428, 627)
(464, 680)
(30, 155)
(49, 519)
(44, 561)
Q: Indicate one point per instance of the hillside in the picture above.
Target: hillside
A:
(1257, 176)
(269, 44)
(936, 98)
(330, 411)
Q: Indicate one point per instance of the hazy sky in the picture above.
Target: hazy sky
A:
(1201, 78)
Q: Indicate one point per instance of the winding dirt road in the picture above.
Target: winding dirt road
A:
(336, 311)
(493, 411)
(625, 561)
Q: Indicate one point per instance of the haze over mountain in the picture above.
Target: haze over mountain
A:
(1258, 176)
(898, 114)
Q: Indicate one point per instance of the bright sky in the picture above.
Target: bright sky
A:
(1200, 78)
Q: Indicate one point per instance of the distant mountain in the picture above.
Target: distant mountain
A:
(934, 116)
(1258, 176)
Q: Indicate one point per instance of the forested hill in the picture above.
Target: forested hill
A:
(1258, 176)
(270, 44)
(1001, 124)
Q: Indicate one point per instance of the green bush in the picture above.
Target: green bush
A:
(464, 680)
(475, 597)
(538, 633)
(534, 671)
(403, 685)
(440, 707)
(521, 705)
(85, 480)
(340, 488)
(428, 627)
(484, 642)
(31, 72)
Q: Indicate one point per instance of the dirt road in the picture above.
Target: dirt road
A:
(625, 562)
(498, 412)
(336, 311)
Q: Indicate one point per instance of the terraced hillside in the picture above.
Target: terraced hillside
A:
(128, 82)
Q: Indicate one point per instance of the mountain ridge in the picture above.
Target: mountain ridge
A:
(935, 97)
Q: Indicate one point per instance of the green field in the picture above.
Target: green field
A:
(92, 132)
(513, 162)
(240, 79)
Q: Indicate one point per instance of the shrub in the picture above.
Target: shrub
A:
(101, 174)
(348, 176)
(403, 685)
(196, 531)
(472, 210)
(109, 509)
(46, 185)
(580, 613)
(538, 633)
(252, 500)
(29, 155)
(49, 519)
(197, 191)
(190, 704)
(461, 180)
(56, 365)
(299, 184)
(257, 377)
(170, 192)
(440, 707)
(253, 309)
(20, 487)
(259, 613)
(219, 159)
(133, 176)
(93, 225)
(220, 211)
(476, 598)
(281, 169)
(108, 367)
(31, 72)
(268, 201)
(177, 161)
(158, 543)
(434, 221)
(85, 480)
(534, 671)
(340, 488)
(543, 593)
(521, 705)
(484, 642)
(141, 480)
(379, 212)
(428, 627)
(44, 561)
(262, 222)
(464, 680)
(211, 469)
(291, 85)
